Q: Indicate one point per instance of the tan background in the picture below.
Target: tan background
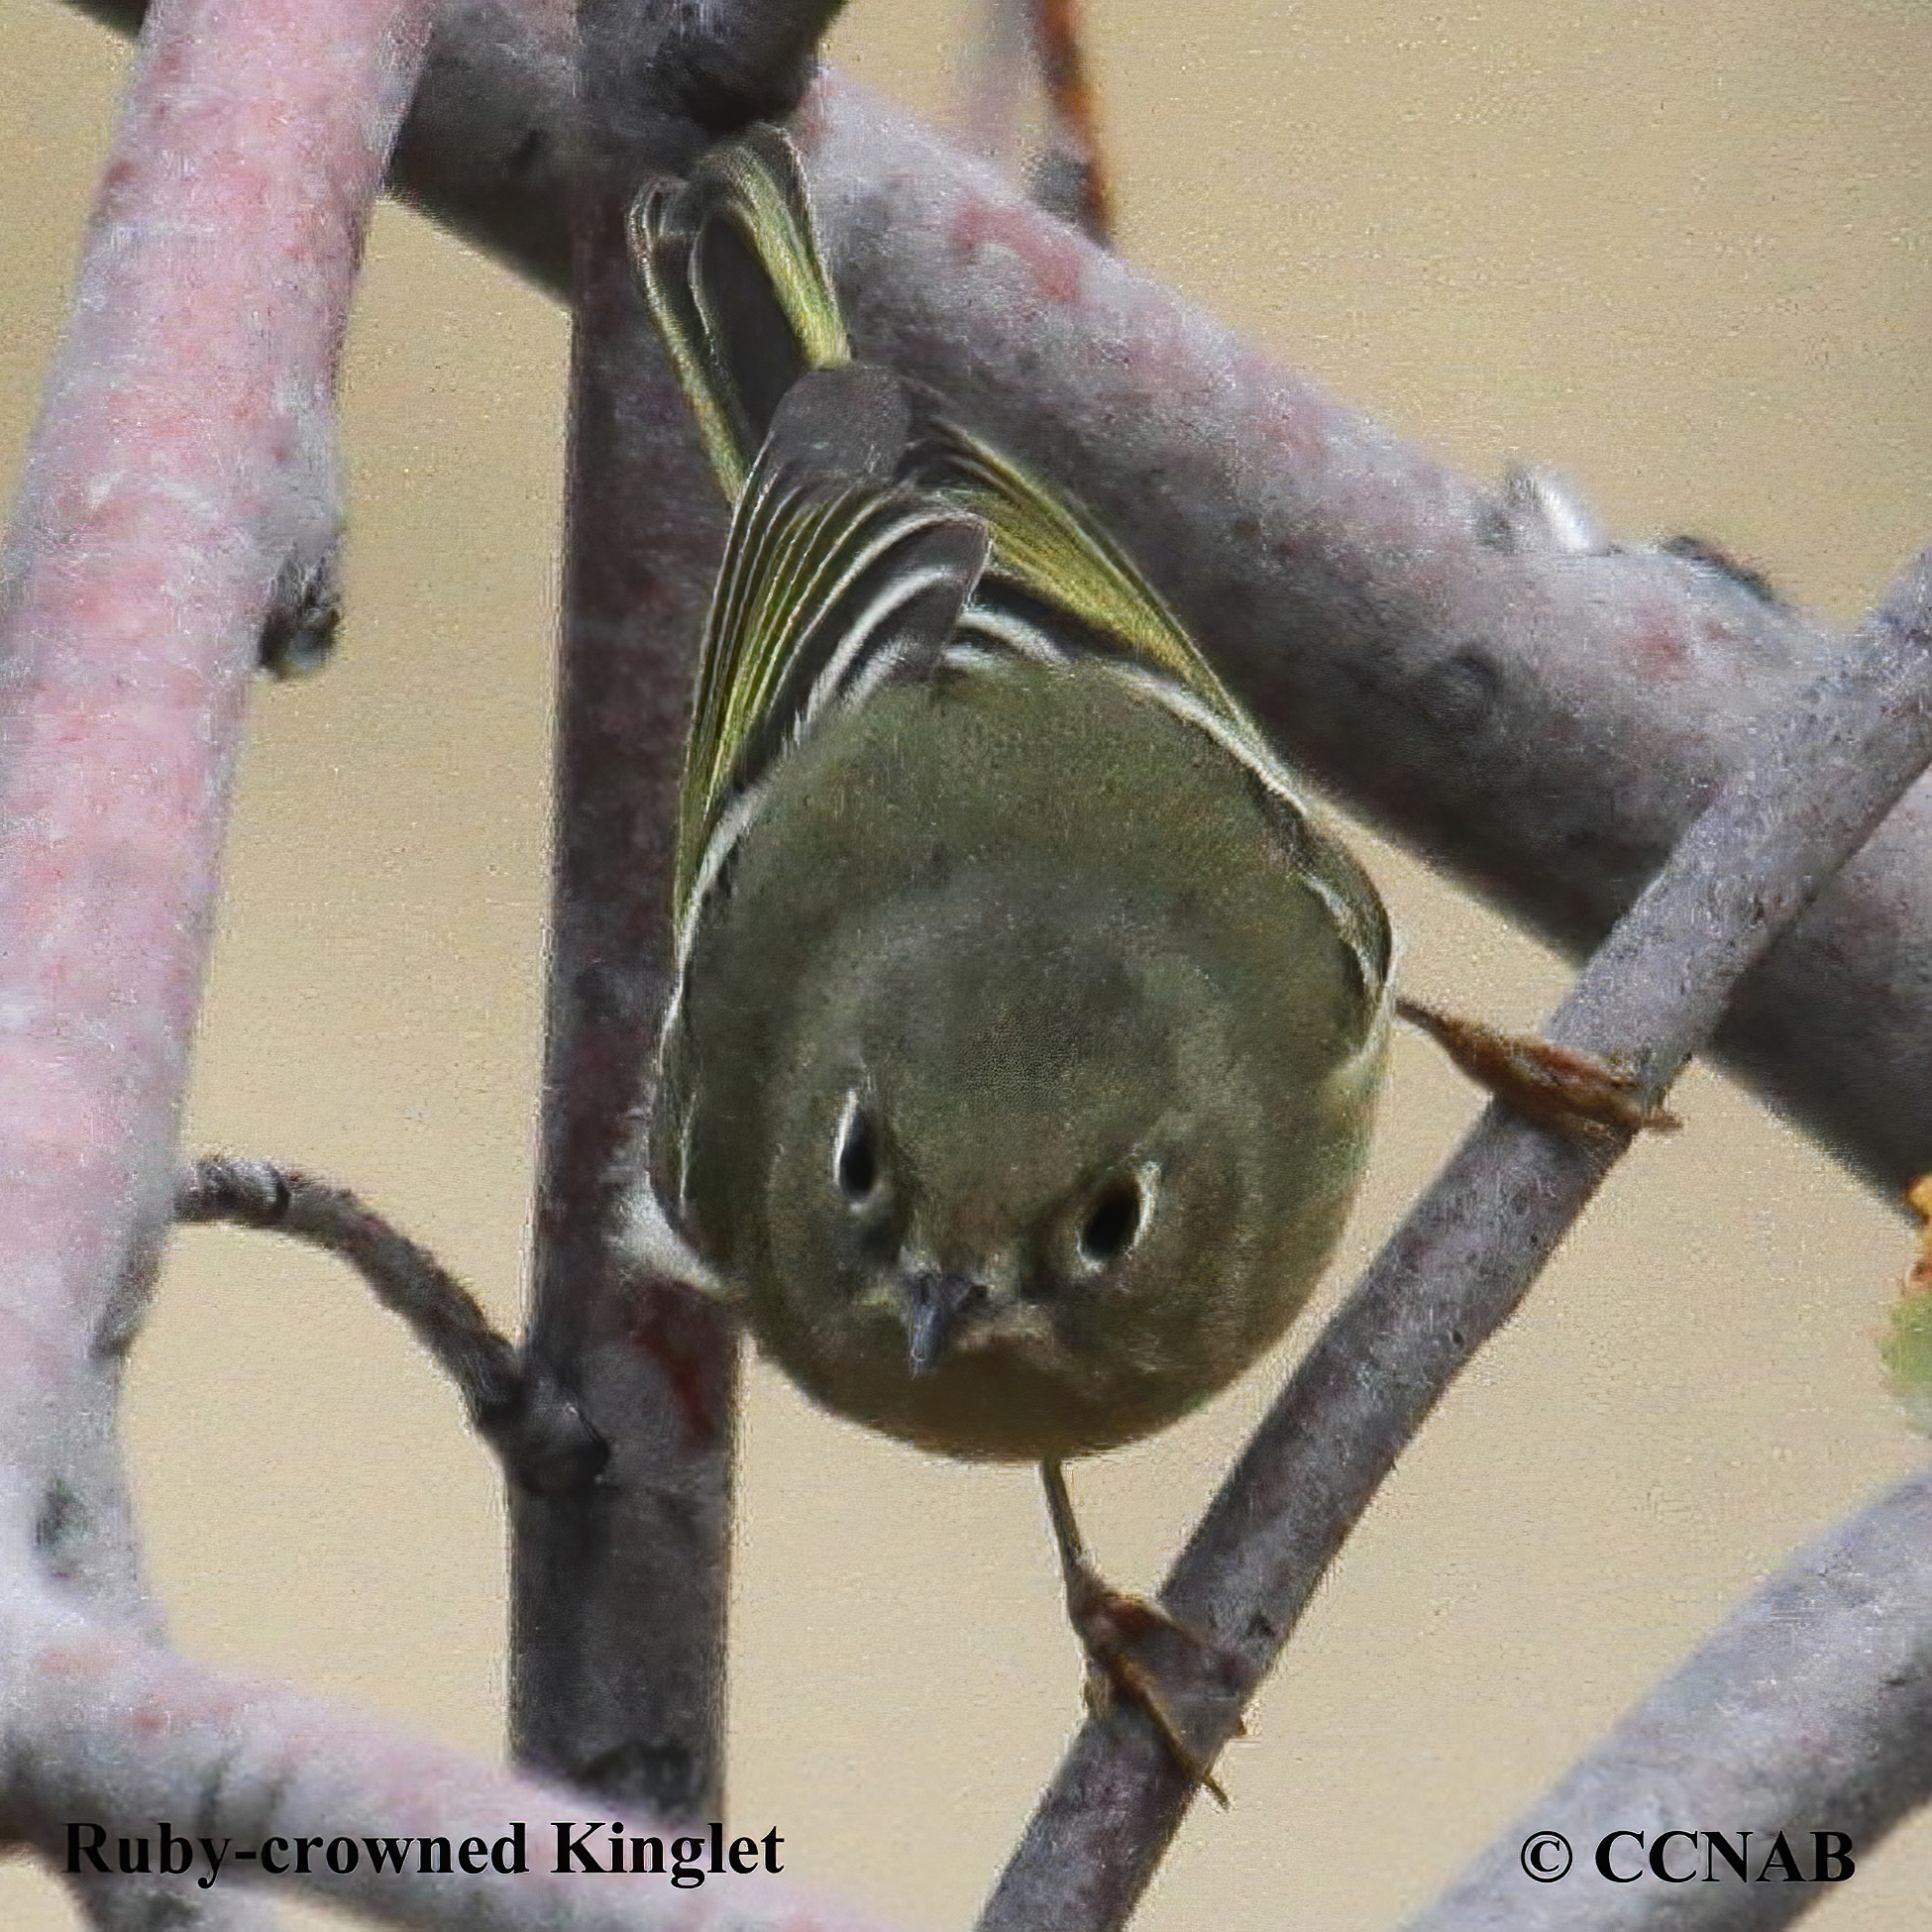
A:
(1678, 253)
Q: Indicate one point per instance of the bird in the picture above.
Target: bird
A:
(1028, 1021)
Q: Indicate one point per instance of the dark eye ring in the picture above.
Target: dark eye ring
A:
(1115, 1219)
(855, 1157)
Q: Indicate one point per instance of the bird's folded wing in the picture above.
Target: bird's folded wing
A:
(831, 582)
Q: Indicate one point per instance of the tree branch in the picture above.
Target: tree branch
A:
(619, 1594)
(180, 481)
(184, 451)
(126, 1735)
(1824, 774)
(1812, 1709)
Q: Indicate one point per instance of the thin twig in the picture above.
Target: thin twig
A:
(1010, 44)
(1070, 178)
(541, 1434)
(1824, 775)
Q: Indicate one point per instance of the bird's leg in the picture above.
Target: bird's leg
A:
(1110, 1624)
(1582, 1095)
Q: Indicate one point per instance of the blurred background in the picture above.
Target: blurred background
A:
(1677, 254)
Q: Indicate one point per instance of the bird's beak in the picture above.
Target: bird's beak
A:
(933, 1306)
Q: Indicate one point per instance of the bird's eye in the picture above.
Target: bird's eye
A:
(855, 1155)
(1115, 1218)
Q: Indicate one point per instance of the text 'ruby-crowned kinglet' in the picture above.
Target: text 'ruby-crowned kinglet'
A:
(1027, 1027)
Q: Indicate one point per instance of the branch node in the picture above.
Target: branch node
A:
(299, 633)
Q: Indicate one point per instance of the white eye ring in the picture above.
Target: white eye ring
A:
(1118, 1215)
(856, 1154)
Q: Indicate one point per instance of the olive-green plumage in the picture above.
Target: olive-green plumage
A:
(1027, 1029)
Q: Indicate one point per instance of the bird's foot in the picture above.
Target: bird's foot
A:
(1119, 1633)
(1581, 1095)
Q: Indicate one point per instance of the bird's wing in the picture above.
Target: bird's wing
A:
(729, 263)
(834, 578)
(1050, 562)
(1049, 554)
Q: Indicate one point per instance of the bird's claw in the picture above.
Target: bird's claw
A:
(1581, 1095)
(1112, 1625)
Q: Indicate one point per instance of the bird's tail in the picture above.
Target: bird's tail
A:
(730, 266)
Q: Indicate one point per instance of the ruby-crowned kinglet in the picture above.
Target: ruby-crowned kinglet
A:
(1027, 1027)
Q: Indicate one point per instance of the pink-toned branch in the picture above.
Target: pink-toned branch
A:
(182, 466)
(130, 1736)
(186, 449)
